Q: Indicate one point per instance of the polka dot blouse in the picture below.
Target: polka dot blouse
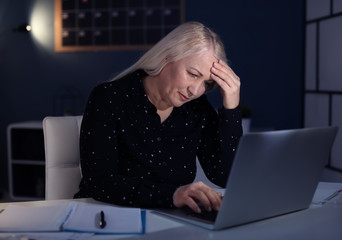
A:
(128, 157)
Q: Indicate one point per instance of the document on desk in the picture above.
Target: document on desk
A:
(73, 216)
(326, 191)
(86, 218)
(45, 236)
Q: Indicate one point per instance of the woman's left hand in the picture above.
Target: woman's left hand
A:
(196, 193)
(228, 82)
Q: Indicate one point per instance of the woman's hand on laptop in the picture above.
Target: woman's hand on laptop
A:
(196, 193)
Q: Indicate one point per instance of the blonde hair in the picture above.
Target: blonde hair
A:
(187, 39)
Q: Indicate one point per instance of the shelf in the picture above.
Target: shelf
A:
(28, 181)
(26, 161)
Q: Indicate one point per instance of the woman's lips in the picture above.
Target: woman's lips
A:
(183, 97)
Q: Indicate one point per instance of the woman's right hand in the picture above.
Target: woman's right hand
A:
(229, 83)
(194, 193)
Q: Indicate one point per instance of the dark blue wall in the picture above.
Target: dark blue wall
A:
(264, 42)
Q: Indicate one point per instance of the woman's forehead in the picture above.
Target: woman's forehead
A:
(202, 60)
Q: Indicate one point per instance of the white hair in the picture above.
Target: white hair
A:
(187, 39)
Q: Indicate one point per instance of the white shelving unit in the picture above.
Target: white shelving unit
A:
(26, 160)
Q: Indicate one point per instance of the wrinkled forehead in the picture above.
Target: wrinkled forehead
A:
(204, 58)
(201, 62)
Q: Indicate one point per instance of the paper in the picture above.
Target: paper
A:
(326, 191)
(118, 219)
(45, 236)
(32, 218)
(73, 216)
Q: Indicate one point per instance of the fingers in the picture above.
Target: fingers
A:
(229, 83)
(224, 72)
(196, 194)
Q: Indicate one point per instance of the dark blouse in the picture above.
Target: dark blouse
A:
(128, 157)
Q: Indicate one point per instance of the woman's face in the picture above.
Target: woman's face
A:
(186, 79)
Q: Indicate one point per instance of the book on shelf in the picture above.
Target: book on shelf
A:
(73, 216)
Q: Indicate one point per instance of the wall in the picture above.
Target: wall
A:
(264, 42)
(323, 72)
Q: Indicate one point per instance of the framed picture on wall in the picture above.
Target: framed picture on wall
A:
(92, 25)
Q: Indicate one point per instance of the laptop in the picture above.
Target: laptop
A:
(273, 173)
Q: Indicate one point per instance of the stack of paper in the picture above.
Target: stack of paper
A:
(326, 191)
(77, 217)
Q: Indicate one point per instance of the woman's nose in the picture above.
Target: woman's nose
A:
(195, 89)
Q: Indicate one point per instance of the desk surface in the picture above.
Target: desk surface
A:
(316, 222)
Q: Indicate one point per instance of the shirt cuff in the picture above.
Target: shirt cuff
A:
(233, 116)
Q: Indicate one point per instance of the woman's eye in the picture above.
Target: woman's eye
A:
(192, 75)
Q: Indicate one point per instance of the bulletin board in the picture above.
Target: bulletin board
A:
(95, 25)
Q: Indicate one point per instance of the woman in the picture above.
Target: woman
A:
(141, 133)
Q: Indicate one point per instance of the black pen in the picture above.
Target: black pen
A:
(332, 196)
(102, 220)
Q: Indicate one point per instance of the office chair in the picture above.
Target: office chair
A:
(62, 156)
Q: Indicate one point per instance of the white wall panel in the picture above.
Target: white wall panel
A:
(310, 57)
(336, 154)
(316, 110)
(317, 8)
(337, 6)
(330, 52)
(323, 92)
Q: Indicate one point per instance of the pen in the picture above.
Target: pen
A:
(102, 220)
(332, 196)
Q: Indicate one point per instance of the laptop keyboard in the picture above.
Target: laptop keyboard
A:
(205, 215)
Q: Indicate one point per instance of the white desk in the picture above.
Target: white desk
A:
(317, 222)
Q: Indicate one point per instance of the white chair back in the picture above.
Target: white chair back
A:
(62, 156)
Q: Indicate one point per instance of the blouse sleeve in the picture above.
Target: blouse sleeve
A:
(100, 161)
(219, 141)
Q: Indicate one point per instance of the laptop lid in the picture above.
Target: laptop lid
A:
(273, 173)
